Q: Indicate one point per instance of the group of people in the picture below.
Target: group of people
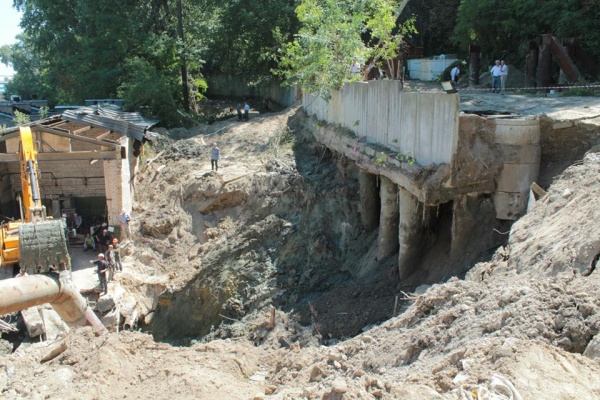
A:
(499, 73)
(243, 108)
(109, 257)
(108, 263)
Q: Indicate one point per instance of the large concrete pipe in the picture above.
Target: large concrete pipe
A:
(519, 141)
(57, 289)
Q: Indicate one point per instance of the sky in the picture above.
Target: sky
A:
(9, 27)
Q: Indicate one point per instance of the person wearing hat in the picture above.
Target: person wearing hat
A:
(102, 268)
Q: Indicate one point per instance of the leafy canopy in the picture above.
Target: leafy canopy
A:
(333, 35)
(504, 28)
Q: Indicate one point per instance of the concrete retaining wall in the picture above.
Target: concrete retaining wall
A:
(422, 124)
(237, 86)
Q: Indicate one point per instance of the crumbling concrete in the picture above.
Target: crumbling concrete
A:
(409, 233)
(369, 207)
(54, 326)
(33, 321)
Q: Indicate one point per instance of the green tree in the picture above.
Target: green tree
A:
(434, 21)
(504, 29)
(244, 36)
(332, 36)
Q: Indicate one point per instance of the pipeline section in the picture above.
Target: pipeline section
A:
(23, 292)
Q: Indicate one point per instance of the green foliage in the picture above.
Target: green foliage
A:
(21, 118)
(381, 159)
(580, 91)
(200, 87)
(434, 21)
(146, 89)
(503, 29)
(406, 157)
(283, 138)
(44, 111)
(242, 38)
(331, 39)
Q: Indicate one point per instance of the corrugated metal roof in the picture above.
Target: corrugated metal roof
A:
(108, 116)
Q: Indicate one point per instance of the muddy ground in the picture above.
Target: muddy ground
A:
(257, 281)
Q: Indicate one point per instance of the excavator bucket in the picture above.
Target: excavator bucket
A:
(43, 247)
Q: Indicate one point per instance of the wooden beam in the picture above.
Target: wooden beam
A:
(85, 128)
(9, 136)
(106, 143)
(64, 156)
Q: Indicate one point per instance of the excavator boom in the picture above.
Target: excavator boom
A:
(37, 243)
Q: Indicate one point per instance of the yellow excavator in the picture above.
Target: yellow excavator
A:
(35, 243)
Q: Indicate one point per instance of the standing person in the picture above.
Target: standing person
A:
(454, 74)
(355, 67)
(496, 73)
(503, 75)
(89, 243)
(102, 268)
(115, 244)
(246, 111)
(112, 262)
(125, 219)
(239, 111)
(77, 221)
(103, 240)
(215, 155)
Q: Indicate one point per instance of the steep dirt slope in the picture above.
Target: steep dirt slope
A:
(277, 225)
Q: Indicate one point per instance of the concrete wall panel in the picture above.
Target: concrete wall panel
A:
(424, 124)
(238, 86)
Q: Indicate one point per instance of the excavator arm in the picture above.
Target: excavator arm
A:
(37, 243)
(32, 202)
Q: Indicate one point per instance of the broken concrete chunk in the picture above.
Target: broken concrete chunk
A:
(33, 322)
(339, 386)
(54, 326)
(593, 348)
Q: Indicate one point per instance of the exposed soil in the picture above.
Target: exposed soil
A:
(258, 281)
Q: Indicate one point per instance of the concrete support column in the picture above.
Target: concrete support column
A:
(117, 177)
(410, 231)
(369, 209)
(463, 225)
(387, 240)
